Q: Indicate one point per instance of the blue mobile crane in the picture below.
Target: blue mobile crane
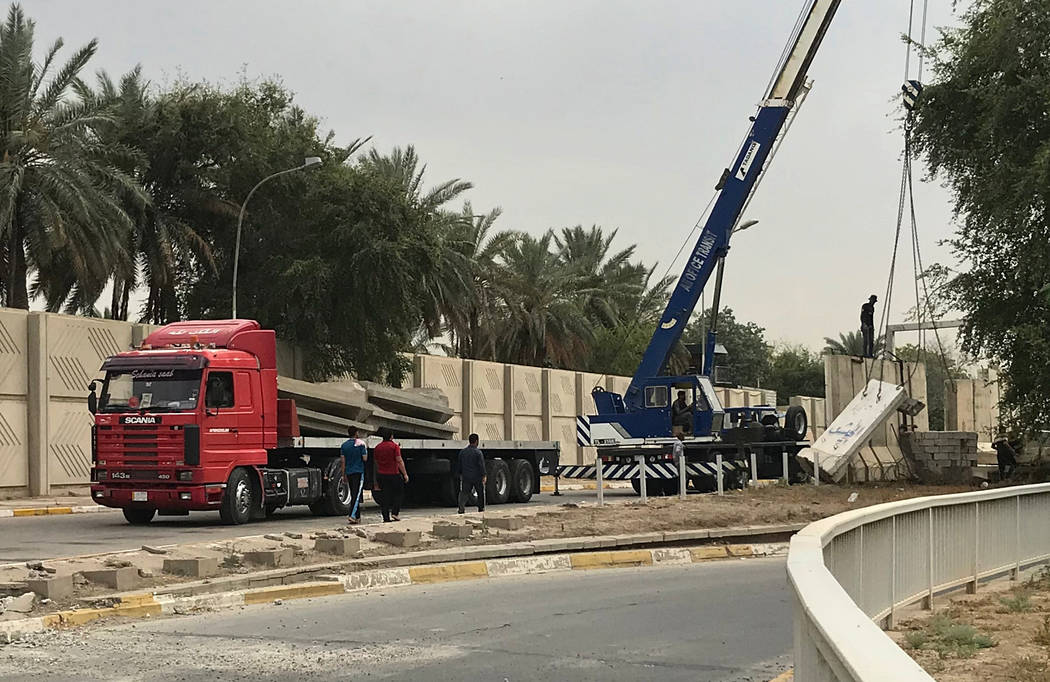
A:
(645, 420)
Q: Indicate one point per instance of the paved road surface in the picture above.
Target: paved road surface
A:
(50, 537)
(727, 620)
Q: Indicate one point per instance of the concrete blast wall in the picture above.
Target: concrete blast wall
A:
(972, 405)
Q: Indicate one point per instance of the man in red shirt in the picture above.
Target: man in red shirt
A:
(391, 476)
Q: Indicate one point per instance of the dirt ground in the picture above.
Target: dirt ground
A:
(768, 505)
(1001, 633)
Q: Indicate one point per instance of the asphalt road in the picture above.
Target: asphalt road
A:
(52, 537)
(727, 620)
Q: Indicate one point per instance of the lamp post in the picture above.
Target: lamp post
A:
(309, 162)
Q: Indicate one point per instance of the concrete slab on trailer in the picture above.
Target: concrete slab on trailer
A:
(423, 404)
(853, 428)
(402, 425)
(347, 400)
(313, 423)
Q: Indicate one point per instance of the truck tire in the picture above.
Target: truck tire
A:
(239, 499)
(335, 491)
(139, 517)
(521, 479)
(795, 423)
(497, 490)
(447, 490)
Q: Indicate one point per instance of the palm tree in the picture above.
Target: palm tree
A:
(403, 166)
(60, 185)
(540, 296)
(850, 343)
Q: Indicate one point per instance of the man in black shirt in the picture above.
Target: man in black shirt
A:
(470, 464)
(682, 413)
(867, 325)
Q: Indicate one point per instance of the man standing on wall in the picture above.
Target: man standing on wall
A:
(471, 467)
(355, 454)
(867, 325)
(391, 477)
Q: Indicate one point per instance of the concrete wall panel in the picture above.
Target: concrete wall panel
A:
(563, 429)
(563, 393)
(443, 373)
(489, 427)
(487, 391)
(528, 390)
(14, 445)
(528, 428)
(76, 347)
(13, 360)
(68, 443)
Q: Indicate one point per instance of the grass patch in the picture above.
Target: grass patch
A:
(1042, 636)
(948, 638)
(1020, 602)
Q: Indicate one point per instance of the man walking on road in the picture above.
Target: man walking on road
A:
(355, 454)
(471, 467)
(867, 325)
(391, 477)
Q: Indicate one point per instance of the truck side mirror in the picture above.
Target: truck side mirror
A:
(92, 399)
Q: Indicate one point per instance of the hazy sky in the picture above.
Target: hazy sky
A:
(617, 113)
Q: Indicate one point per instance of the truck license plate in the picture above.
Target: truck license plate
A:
(139, 496)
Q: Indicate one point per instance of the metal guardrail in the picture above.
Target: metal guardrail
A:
(853, 572)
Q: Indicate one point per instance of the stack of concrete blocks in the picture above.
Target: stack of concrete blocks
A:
(844, 377)
(941, 456)
(816, 416)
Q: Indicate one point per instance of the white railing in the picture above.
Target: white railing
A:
(856, 569)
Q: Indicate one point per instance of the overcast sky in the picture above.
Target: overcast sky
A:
(616, 113)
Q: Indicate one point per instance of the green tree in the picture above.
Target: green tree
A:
(984, 129)
(851, 343)
(795, 370)
(60, 184)
(745, 342)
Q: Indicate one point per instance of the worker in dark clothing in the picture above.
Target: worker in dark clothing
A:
(867, 325)
(1005, 455)
(682, 413)
(391, 477)
(470, 465)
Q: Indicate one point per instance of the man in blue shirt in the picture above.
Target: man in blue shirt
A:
(355, 453)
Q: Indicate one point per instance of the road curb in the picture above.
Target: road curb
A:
(53, 511)
(147, 605)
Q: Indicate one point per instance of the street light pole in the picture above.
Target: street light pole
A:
(309, 162)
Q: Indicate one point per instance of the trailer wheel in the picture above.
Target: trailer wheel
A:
(497, 490)
(335, 491)
(795, 423)
(237, 502)
(653, 487)
(447, 490)
(704, 484)
(521, 479)
(139, 517)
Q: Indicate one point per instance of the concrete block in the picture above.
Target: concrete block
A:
(403, 538)
(58, 587)
(505, 522)
(338, 546)
(452, 530)
(200, 567)
(21, 604)
(272, 558)
(119, 579)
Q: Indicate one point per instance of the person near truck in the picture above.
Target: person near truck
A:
(355, 454)
(867, 326)
(470, 464)
(391, 477)
(682, 413)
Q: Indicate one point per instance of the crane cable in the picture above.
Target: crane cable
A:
(906, 201)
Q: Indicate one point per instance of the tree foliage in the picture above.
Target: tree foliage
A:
(984, 128)
(745, 342)
(796, 370)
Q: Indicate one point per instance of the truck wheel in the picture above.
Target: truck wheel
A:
(335, 492)
(669, 486)
(497, 490)
(795, 423)
(237, 502)
(447, 490)
(521, 480)
(653, 487)
(704, 484)
(139, 517)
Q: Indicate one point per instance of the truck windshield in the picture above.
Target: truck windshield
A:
(151, 389)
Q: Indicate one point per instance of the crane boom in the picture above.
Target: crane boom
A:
(736, 187)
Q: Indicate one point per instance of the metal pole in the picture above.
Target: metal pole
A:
(240, 219)
(641, 476)
(784, 464)
(754, 470)
(718, 466)
(681, 476)
(929, 563)
(598, 474)
(976, 546)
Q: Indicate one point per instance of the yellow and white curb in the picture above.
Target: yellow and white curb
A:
(53, 511)
(146, 605)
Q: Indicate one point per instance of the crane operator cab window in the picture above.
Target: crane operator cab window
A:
(219, 391)
(656, 396)
(683, 411)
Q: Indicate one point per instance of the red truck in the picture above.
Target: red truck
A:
(191, 421)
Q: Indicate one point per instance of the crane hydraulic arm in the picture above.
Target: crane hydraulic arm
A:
(736, 187)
